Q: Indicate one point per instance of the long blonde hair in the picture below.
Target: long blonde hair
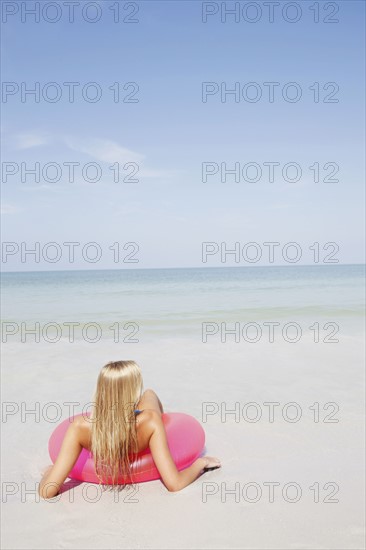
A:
(113, 434)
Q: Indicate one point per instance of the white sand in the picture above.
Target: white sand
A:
(185, 374)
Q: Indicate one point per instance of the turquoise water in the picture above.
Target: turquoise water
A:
(164, 300)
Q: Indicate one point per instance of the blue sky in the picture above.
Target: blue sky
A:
(170, 132)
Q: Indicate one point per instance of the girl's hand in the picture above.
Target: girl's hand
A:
(211, 463)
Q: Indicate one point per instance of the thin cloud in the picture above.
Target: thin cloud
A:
(104, 150)
(27, 141)
(7, 209)
(111, 152)
(101, 150)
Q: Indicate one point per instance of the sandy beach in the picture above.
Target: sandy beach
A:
(291, 447)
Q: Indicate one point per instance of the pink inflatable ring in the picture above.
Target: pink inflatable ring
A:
(186, 440)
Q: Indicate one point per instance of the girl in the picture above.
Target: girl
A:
(124, 421)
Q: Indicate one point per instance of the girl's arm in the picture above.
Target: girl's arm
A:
(68, 455)
(172, 478)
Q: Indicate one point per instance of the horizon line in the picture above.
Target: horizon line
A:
(181, 267)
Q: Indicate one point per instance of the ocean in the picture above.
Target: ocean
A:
(178, 302)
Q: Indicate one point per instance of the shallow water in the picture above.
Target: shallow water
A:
(162, 301)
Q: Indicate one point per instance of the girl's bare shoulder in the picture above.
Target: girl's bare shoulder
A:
(82, 421)
(147, 420)
(82, 427)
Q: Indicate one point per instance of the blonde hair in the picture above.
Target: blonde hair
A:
(113, 435)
